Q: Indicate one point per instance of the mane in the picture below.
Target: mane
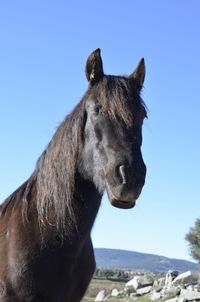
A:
(54, 175)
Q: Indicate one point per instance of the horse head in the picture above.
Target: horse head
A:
(112, 132)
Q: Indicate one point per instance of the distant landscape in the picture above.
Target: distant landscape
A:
(122, 259)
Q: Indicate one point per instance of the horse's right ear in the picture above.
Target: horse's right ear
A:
(94, 67)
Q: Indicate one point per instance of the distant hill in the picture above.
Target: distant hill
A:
(122, 259)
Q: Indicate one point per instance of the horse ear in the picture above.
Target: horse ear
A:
(94, 67)
(139, 74)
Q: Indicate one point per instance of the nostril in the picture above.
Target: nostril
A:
(122, 172)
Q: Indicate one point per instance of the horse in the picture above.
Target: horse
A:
(46, 252)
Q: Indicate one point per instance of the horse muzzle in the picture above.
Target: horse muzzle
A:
(124, 187)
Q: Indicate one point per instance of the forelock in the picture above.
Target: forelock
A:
(118, 98)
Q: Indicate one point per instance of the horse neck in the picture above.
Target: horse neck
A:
(78, 216)
(86, 203)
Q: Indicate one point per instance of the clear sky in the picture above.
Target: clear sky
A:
(43, 49)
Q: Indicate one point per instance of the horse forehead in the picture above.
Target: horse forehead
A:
(90, 102)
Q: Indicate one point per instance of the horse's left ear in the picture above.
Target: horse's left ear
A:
(94, 67)
(139, 74)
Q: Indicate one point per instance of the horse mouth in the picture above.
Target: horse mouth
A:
(120, 202)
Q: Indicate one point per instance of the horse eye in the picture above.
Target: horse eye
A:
(96, 110)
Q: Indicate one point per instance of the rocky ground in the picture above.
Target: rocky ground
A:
(174, 287)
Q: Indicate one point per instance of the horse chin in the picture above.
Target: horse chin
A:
(122, 204)
(118, 202)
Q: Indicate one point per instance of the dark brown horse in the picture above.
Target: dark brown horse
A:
(46, 254)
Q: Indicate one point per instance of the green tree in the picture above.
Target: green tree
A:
(193, 238)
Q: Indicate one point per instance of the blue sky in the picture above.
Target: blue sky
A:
(44, 47)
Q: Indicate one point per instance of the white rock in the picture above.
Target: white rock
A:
(140, 281)
(115, 293)
(159, 284)
(177, 299)
(183, 278)
(190, 287)
(189, 295)
(100, 296)
(143, 290)
(172, 300)
(155, 296)
(170, 292)
(170, 276)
